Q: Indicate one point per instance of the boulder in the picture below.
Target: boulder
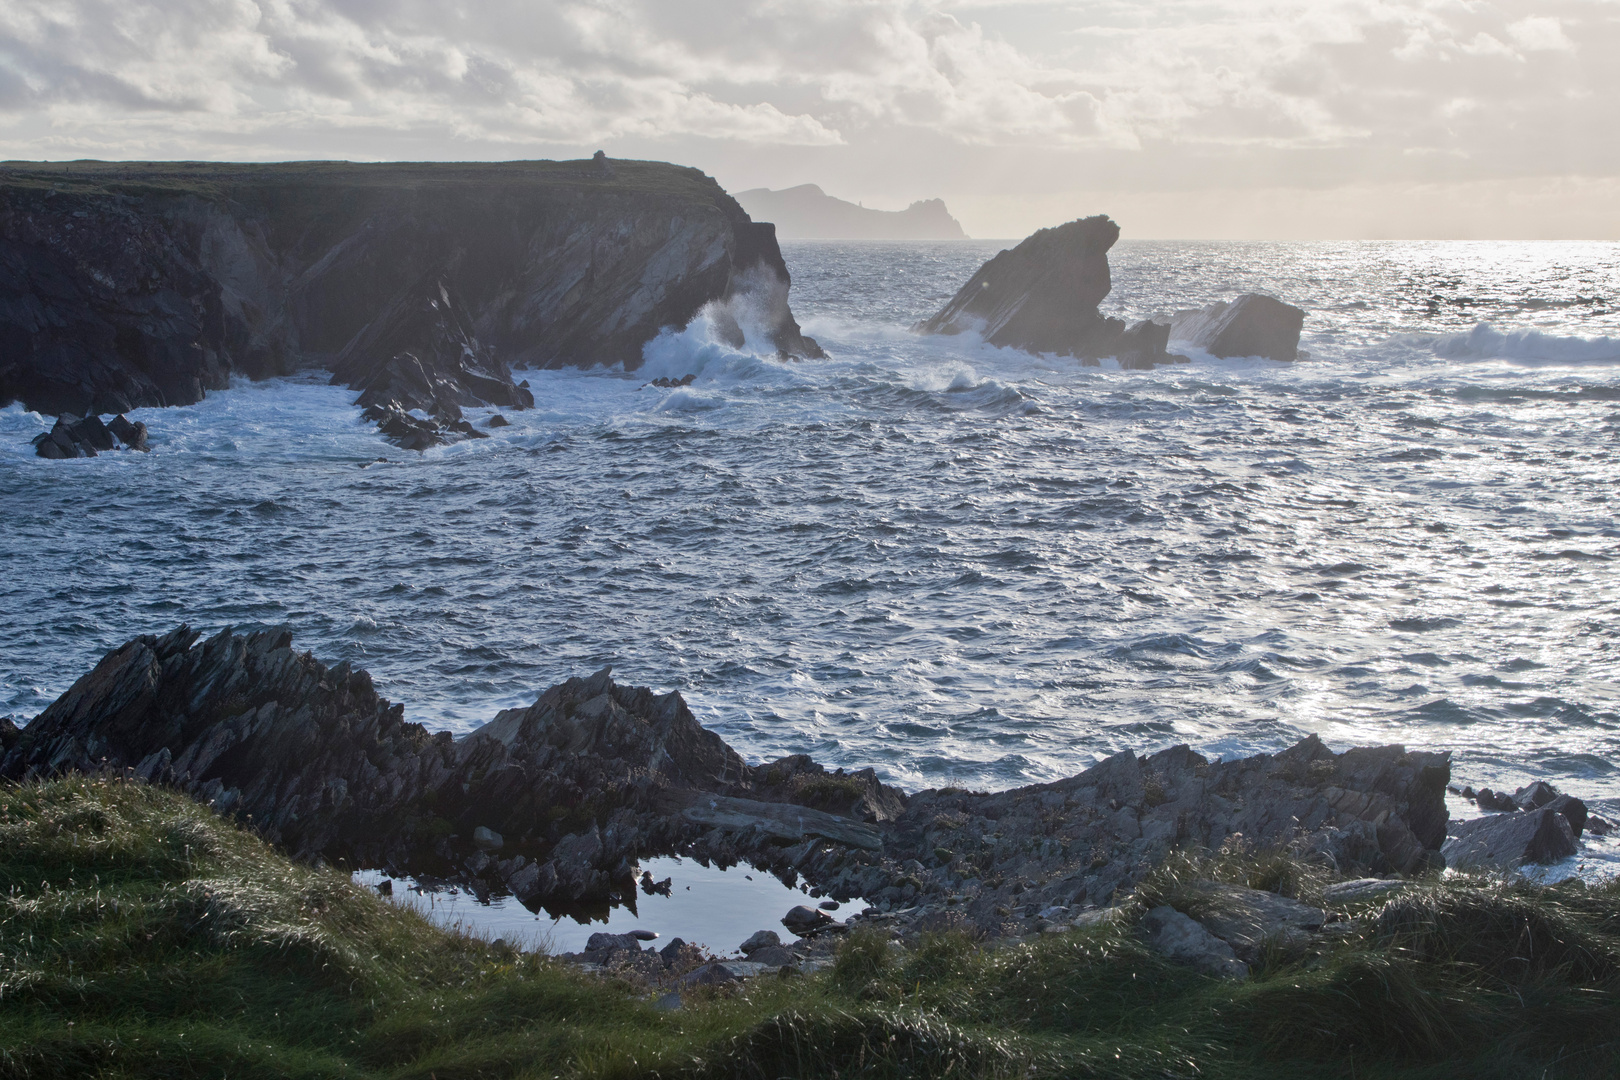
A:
(1252, 325)
(497, 421)
(1535, 795)
(760, 939)
(772, 956)
(1252, 920)
(132, 435)
(487, 839)
(1574, 811)
(602, 942)
(805, 920)
(1175, 935)
(1042, 297)
(1501, 802)
(1503, 841)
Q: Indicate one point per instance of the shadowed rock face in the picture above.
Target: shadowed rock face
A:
(1251, 325)
(1042, 297)
(421, 354)
(594, 775)
(140, 284)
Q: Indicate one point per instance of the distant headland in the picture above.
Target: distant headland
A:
(808, 213)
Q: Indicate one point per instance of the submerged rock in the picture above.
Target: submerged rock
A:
(1042, 297)
(1251, 325)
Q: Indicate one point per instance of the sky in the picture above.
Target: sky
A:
(1310, 119)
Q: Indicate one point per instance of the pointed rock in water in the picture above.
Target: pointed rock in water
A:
(1252, 325)
(1042, 297)
(1504, 841)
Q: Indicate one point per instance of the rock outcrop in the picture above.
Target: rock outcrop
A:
(556, 802)
(1251, 325)
(126, 284)
(1042, 297)
(421, 355)
(73, 436)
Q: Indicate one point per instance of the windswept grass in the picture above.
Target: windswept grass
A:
(142, 936)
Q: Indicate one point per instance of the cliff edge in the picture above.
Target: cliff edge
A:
(130, 284)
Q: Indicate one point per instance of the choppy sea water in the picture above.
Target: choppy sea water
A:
(955, 563)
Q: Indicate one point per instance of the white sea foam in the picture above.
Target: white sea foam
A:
(1529, 347)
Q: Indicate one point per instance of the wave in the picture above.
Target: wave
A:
(1530, 347)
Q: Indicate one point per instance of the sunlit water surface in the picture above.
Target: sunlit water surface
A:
(955, 563)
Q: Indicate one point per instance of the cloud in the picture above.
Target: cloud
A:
(1386, 89)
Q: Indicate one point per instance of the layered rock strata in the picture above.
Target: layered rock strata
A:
(126, 284)
(1042, 297)
(557, 801)
(419, 363)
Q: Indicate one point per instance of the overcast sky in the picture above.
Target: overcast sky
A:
(1181, 118)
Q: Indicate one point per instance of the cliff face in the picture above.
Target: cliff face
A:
(137, 284)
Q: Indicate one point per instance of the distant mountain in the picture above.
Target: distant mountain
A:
(808, 213)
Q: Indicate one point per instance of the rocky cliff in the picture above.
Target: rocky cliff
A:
(139, 284)
(557, 801)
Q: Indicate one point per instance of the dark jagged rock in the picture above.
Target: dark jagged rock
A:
(1252, 325)
(132, 435)
(497, 421)
(72, 437)
(595, 775)
(421, 354)
(126, 284)
(1042, 295)
(1503, 841)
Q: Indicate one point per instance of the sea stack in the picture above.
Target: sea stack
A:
(1042, 297)
(1252, 325)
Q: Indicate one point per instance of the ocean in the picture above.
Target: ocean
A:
(954, 563)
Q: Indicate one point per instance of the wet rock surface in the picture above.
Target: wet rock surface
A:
(422, 356)
(76, 437)
(1504, 841)
(1042, 297)
(133, 284)
(595, 775)
(1251, 325)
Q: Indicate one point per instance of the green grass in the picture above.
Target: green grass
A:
(142, 936)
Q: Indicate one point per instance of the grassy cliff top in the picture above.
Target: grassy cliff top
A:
(140, 935)
(214, 180)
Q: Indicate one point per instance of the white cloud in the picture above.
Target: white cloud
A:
(1152, 90)
(1540, 33)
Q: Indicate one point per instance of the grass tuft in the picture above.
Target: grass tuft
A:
(141, 936)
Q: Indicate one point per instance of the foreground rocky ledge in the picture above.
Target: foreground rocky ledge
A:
(556, 802)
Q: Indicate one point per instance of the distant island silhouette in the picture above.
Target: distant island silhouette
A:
(808, 213)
